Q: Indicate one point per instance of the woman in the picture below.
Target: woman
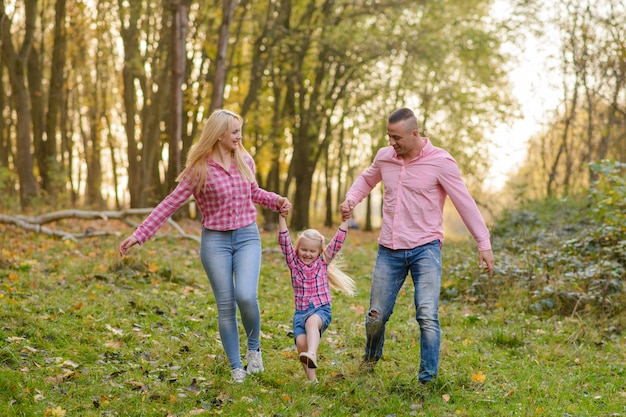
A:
(219, 173)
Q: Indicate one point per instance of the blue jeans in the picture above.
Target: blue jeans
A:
(232, 261)
(300, 317)
(390, 272)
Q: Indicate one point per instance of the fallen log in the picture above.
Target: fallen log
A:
(37, 223)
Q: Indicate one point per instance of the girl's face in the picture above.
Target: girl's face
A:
(308, 251)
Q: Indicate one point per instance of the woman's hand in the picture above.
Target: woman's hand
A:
(127, 244)
(284, 206)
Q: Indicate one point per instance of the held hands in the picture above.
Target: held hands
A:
(284, 206)
(127, 244)
(346, 209)
(486, 260)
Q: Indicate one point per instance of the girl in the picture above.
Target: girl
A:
(312, 276)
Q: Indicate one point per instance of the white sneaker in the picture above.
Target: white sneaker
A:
(255, 362)
(239, 375)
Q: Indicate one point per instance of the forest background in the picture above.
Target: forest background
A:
(101, 100)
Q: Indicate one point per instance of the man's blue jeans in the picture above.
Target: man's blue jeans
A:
(232, 261)
(390, 271)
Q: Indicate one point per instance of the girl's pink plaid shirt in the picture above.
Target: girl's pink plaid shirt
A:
(226, 203)
(310, 282)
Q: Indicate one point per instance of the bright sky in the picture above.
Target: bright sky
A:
(537, 95)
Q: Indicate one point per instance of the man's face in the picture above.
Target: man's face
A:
(401, 137)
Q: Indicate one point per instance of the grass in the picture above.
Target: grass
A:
(83, 333)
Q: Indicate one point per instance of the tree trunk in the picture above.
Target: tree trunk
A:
(179, 32)
(15, 63)
(130, 36)
(219, 80)
(55, 101)
(5, 141)
(35, 89)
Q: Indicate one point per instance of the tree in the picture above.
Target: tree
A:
(15, 63)
(589, 123)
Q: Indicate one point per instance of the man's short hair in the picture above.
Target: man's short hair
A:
(401, 115)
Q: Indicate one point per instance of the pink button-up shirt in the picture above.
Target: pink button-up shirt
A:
(310, 282)
(226, 203)
(414, 197)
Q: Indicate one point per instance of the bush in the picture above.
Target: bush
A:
(569, 254)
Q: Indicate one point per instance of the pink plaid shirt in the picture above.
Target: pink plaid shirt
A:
(227, 202)
(310, 282)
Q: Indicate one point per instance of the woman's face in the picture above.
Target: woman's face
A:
(308, 251)
(230, 139)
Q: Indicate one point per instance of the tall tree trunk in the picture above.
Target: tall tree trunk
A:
(5, 137)
(55, 101)
(219, 80)
(180, 22)
(35, 89)
(16, 67)
(132, 61)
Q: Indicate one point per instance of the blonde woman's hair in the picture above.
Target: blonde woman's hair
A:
(337, 279)
(216, 125)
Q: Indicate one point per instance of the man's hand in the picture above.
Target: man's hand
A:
(486, 260)
(346, 209)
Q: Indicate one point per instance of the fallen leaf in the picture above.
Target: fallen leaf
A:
(114, 330)
(479, 377)
(445, 397)
(56, 412)
(15, 339)
(70, 364)
(113, 344)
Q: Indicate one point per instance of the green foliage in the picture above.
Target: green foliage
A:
(569, 254)
(608, 196)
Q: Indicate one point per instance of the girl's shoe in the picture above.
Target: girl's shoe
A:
(308, 359)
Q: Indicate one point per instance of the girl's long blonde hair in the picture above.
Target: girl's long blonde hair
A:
(337, 279)
(195, 168)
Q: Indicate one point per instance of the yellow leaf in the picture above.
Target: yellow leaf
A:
(57, 412)
(173, 399)
(14, 277)
(478, 377)
(153, 267)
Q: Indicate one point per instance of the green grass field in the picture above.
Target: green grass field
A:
(83, 333)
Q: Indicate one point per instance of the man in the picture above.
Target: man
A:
(416, 177)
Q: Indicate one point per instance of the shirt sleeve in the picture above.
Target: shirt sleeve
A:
(284, 241)
(464, 203)
(163, 211)
(334, 246)
(366, 182)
